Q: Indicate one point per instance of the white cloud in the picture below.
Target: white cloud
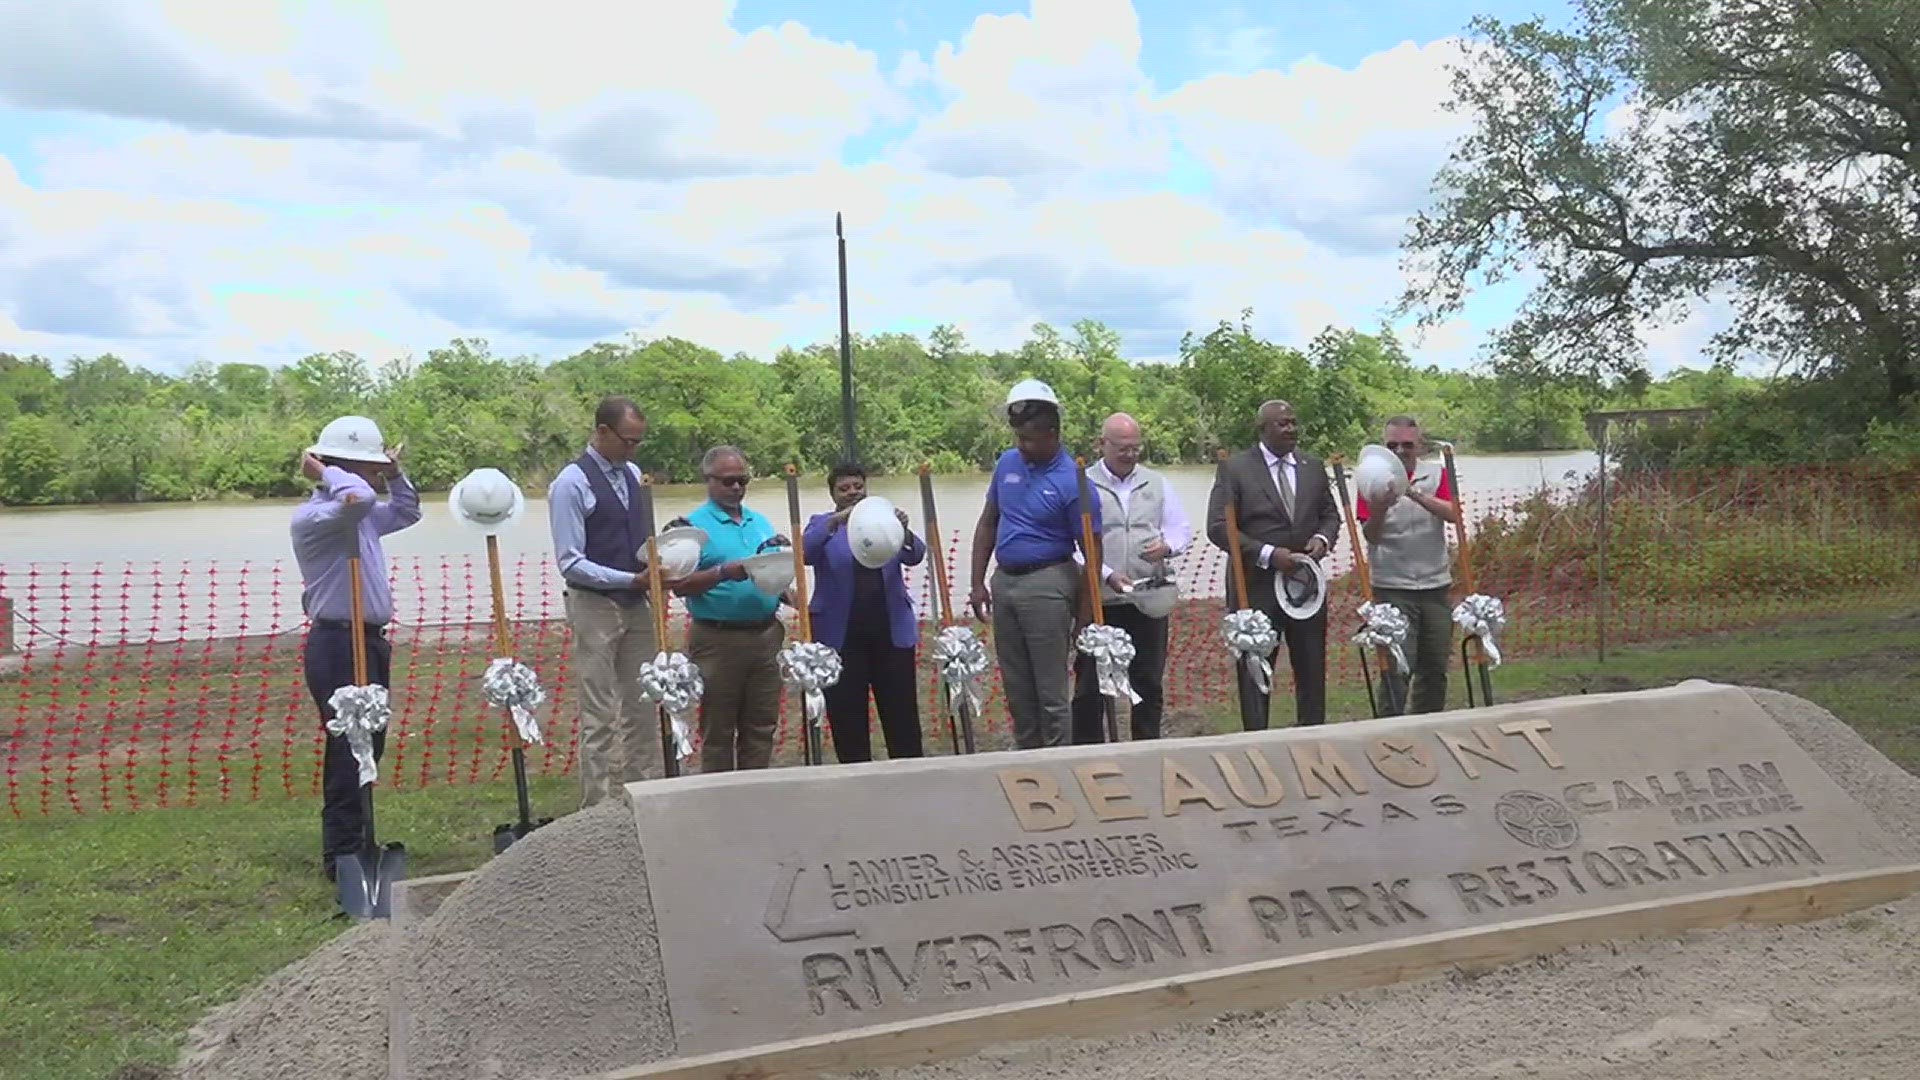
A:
(1342, 156)
(293, 179)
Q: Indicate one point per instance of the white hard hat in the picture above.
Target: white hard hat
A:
(1379, 474)
(874, 532)
(487, 500)
(1028, 390)
(679, 549)
(351, 438)
(1155, 599)
(771, 571)
(1301, 588)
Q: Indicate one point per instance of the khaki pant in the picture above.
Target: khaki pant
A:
(619, 730)
(741, 707)
(1033, 616)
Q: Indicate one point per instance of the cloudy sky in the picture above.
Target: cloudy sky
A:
(245, 180)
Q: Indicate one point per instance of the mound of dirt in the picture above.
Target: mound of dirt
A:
(546, 965)
(323, 1017)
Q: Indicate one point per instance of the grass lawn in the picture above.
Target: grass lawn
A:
(119, 930)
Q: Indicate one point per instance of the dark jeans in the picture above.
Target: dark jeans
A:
(1145, 673)
(1306, 643)
(329, 666)
(869, 660)
(1429, 649)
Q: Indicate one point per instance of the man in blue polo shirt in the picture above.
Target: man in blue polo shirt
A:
(1037, 598)
(736, 636)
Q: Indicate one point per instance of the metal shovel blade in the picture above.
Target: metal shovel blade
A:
(364, 880)
(505, 835)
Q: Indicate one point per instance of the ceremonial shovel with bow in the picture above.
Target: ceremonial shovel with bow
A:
(364, 879)
(960, 656)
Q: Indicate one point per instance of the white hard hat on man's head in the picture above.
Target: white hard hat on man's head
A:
(1028, 390)
(351, 438)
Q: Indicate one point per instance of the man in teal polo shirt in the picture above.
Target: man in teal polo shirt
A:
(1037, 597)
(737, 635)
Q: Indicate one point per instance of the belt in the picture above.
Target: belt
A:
(1022, 571)
(733, 624)
(347, 624)
(619, 595)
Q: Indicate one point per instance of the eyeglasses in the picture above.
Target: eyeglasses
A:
(731, 481)
(1399, 446)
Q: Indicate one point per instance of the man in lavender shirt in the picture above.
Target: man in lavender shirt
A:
(350, 468)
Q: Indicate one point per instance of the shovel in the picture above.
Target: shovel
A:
(505, 834)
(1472, 649)
(944, 596)
(364, 879)
(1395, 703)
(1090, 541)
(657, 599)
(814, 745)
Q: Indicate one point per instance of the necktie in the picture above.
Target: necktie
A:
(1284, 482)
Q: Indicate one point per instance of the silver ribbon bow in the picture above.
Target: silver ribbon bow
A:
(670, 679)
(1483, 617)
(810, 667)
(513, 685)
(962, 660)
(1112, 652)
(358, 713)
(1250, 634)
(1384, 627)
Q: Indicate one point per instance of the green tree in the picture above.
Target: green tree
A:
(1767, 155)
(30, 461)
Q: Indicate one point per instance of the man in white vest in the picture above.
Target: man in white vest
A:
(1142, 526)
(1412, 570)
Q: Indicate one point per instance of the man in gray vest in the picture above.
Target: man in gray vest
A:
(1142, 526)
(601, 517)
(1407, 551)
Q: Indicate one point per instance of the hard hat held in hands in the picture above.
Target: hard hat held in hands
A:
(1379, 474)
(771, 571)
(679, 550)
(351, 438)
(874, 532)
(486, 499)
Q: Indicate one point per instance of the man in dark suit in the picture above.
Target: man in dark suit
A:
(1286, 510)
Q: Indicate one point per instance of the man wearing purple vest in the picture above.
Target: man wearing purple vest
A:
(601, 517)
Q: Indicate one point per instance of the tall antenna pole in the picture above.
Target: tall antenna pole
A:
(848, 448)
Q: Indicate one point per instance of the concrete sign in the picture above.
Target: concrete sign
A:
(802, 902)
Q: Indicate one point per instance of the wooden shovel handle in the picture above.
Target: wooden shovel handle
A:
(1238, 572)
(1353, 529)
(799, 554)
(1090, 542)
(656, 588)
(935, 547)
(358, 631)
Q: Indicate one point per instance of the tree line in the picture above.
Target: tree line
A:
(100, 430)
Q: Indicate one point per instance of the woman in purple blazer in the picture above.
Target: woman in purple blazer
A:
(867, 617)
